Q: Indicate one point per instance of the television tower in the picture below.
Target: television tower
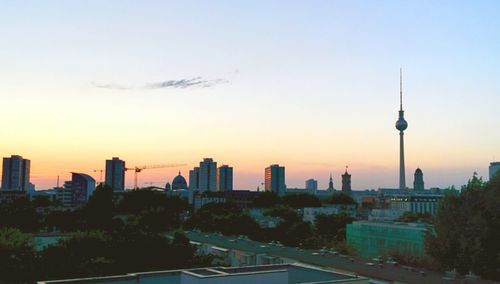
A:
(401, 125)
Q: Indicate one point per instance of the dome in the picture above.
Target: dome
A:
(179, 182)
(168, 187)
(401, 124)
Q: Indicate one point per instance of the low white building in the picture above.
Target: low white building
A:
(310, 213)
(384, 215)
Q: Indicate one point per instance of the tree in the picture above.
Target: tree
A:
(342, 199)
(301, 200)
(467, 230)
(409, 217)
(17, 256)
(266, 199)
(332, 226)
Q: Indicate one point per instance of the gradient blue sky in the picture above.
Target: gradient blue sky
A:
(312, 85)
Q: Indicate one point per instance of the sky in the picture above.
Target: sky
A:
(310, 85)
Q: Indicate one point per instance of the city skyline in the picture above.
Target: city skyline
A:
(314, 89)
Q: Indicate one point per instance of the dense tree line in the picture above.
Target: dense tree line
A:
(467, 230)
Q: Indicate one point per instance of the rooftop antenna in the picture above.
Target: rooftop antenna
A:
(400, 88)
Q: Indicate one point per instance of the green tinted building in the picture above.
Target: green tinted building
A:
(371, 239)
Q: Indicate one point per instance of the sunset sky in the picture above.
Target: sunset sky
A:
(311, 85)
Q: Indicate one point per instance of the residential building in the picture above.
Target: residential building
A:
(202, 198)
(82, 186)
(16, 174)
(194, 178)
(371, 239)
(275, 179)
(225, 178)
(115, 174)
(207, 175)
(494, 169)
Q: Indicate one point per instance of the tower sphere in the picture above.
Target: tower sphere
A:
(401, 124)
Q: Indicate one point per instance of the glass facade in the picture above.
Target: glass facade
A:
(371, 239)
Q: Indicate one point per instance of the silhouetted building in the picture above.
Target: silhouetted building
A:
(225, 178)
(194, 178)
(312, 184)
(401, 125)
(179, 182)
(208, 175)
(115, 174)
(418, 183)
(494, 169)
(168, 187)
(275, 179)
(330, 184)
(16, 174)
(82, 186)
(346, 183)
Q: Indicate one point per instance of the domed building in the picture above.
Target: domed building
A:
(168, 187)
(179, 182)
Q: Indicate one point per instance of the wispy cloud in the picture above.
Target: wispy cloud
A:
(196, 82)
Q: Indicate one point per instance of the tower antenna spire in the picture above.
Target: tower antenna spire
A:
(400, 88)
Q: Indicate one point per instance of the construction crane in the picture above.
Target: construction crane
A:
(137, 170)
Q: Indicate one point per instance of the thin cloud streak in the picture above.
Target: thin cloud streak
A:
(196, 82)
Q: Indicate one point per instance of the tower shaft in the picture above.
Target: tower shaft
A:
(402, 178)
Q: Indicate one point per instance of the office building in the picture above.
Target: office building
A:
(115, 174)
(275, 179)
(207, 175)
(194, 178)
(16, 174)
(494, 169)
(225, 178)
(401, 125)
(346, 183)
(418, 184)
(82, 186)
(312, 184)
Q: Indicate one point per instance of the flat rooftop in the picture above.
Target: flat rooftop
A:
(279, 274)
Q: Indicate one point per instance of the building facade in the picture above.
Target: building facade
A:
(115, 174)
(418, 183)
(207, 175)
(312, 184)
(494, 169)
(310, 213)
(416, 203)
(194, 178)
(346, 183)
(371, 239)
(16, 173)
(225, 178)
(275, 179)
(83, 187)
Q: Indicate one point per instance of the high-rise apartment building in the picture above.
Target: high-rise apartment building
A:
(225, 178)
(275, 179)
(194, 178)
(16, 173)
(208, 175)
(115, 174)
